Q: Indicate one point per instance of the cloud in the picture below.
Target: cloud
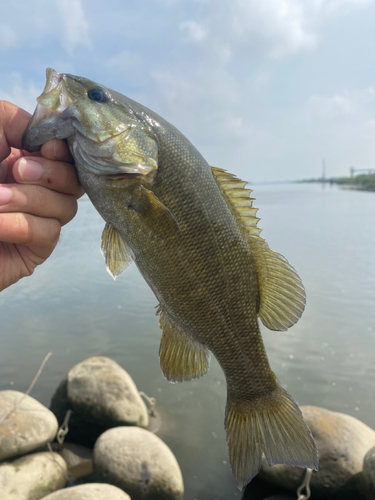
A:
(276, 28)
(282, 26)
(125, 60)
(195, 32)
(22, 94)
(8, 38)
(341, 105)
(75, 26)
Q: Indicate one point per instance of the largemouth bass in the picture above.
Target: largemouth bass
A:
(192, 231)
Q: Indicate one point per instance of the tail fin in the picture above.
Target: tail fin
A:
(272, 425)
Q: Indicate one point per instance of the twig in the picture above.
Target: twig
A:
(4, 417)
(151, 402)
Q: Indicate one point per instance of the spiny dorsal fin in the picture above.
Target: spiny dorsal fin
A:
(282, 296)
(181, 357)
(116, 252)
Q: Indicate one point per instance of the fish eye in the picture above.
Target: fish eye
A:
(97, 94)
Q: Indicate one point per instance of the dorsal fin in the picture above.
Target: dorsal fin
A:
(282, 295)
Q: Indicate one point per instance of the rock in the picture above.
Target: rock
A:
(29, 427)
(78, 460)
(102, 395)
(33, 476)
(138, 462)
(342, 443)
(368, 482)
(93, 491)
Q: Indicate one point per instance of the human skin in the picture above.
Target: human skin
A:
(38, 195)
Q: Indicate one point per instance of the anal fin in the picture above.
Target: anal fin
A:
(181, 357)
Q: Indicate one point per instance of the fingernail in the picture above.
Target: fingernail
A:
(5, 195)
(29, 170)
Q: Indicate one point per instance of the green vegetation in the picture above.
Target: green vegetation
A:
(363, 181)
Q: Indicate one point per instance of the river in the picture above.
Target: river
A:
(72, 307)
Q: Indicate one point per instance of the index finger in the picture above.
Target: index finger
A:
(55, 175)
(56, 149)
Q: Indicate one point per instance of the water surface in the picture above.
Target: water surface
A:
(72, 307)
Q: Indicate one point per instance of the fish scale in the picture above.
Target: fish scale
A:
(192, 231)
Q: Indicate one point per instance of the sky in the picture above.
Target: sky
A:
(263, 88)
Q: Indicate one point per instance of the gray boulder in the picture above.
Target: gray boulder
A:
(32, 477)
(29, 426)
(93, 491)
(369, 475)
(342, 443)
(102, 395)
(138, 462)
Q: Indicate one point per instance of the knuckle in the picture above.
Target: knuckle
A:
(54, 231)
(71, 209)
(22, 227)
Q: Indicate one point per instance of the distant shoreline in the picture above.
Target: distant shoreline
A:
(363, 182)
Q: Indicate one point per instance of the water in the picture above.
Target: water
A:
(72, 307)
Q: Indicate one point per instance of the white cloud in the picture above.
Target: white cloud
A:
(340, 105)
(22, 94)
(75, 27)
(125, 60)
(8, 38)
(195, 32)
(282, 25)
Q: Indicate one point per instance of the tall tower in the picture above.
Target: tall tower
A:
(323, 170)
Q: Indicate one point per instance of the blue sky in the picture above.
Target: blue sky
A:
(263, 88)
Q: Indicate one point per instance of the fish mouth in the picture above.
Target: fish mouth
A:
(53, 101)
(55, 95)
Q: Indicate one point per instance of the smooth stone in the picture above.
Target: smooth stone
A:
(369, 475)
(342, 443)
(29, 427)
(138, 462)
(102, 395)
(33, 476)
(93, 491)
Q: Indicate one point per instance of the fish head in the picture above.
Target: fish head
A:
(105, 136)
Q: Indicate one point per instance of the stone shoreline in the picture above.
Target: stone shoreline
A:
(109, 451)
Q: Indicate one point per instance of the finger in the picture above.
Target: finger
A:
(3, 171)
(37, 201)
(35, 232)
(54, 175)
(56, 149)
(13, 124)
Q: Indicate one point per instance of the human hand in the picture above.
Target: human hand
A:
(38, 195)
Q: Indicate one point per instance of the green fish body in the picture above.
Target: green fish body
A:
(192, 231)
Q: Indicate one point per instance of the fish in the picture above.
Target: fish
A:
(192, 231)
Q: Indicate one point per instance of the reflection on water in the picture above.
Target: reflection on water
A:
(72, 307)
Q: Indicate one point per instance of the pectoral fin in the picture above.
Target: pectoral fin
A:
(118, 256)
(282, 295)
(181, 357)
(154, 213)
